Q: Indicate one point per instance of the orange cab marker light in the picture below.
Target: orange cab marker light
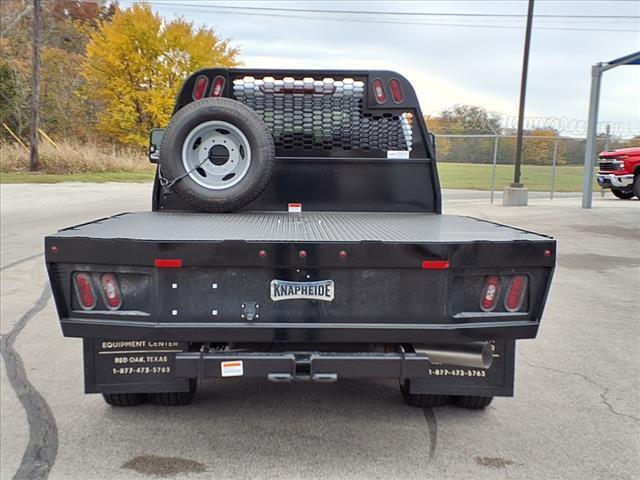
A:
(167, 262)
(435, 264)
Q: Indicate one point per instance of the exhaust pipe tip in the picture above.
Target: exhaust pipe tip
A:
(473, 355)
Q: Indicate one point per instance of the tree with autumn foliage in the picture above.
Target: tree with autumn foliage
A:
(66, 27)
(136, 63)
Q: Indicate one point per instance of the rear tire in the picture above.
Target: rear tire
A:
(623, 193)
(471, 402)
(420, 400)
(124, 399)
(636, 186)
(175, 399)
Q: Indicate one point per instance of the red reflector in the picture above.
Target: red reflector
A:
(218, 84)
(378, 91)
(435, 264)
(516, 290)
(490, 293)
(111, 291)
(396, 91)
(167, 263)
(84, 290)
(200, 87)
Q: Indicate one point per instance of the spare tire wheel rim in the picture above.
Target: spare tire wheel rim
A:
(216, 155)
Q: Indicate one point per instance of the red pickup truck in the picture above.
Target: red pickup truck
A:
(619, 170)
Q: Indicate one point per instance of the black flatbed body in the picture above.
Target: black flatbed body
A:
(369, 280)
(387, 255)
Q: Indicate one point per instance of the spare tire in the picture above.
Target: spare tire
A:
(217, 155)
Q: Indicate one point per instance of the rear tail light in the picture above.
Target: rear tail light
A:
(84, 290)
(378, 91)
(200, 87)
(218, 85)
(514, 298)
(396, 91)
(490, 293)
(111, 291)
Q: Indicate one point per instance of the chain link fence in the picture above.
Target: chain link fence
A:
(485, 162)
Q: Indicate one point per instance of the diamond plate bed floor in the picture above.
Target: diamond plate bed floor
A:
(297, 227)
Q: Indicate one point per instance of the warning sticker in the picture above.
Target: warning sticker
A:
(397, 154)
(231, 369)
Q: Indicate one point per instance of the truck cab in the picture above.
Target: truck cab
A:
(619, 170)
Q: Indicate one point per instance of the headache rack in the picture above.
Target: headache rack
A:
(345, 140)
(370, 112)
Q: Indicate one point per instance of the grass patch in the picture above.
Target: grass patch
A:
(537, 178)
(94, 177)
(76, 162)
(71, 157)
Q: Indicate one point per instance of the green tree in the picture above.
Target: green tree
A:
(136, 63)
(466, 120)
(469, 120)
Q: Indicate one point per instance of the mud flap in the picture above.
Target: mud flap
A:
(449, 380)
(132, 366)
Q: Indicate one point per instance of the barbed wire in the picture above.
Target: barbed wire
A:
(561, 124)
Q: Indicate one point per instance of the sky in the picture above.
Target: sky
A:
(449, 59)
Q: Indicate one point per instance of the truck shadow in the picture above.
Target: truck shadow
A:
(247, 428)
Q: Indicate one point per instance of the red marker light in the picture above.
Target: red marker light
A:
(514, 299)
(216, 88)
(378, 91)
(396, 91)
(302, 253)
(547, 253)
(53, 249)
(262, 253)
(111, 291)
(84, 290)
(490, 293)
(167, 263)
(435, 264)
(343, 254)
(200, 87)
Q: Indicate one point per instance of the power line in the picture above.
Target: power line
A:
(216, 9)
(412, 14)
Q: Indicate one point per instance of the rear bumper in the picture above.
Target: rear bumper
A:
(113, 366)
(289, 367)
(614, 181)
(299, 332)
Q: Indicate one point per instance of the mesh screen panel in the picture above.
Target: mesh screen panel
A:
(327, 114)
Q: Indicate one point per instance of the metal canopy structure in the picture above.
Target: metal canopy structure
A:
(590, 149)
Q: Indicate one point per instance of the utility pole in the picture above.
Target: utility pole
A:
(523, 93)
(515, 194)
(35, 88)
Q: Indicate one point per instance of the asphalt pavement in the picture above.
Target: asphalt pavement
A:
(575, 414)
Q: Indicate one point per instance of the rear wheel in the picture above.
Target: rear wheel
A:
(175, 399)
(623, 193)
(420, 400)
(636, 186)
(124, 399)
(471, 402)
